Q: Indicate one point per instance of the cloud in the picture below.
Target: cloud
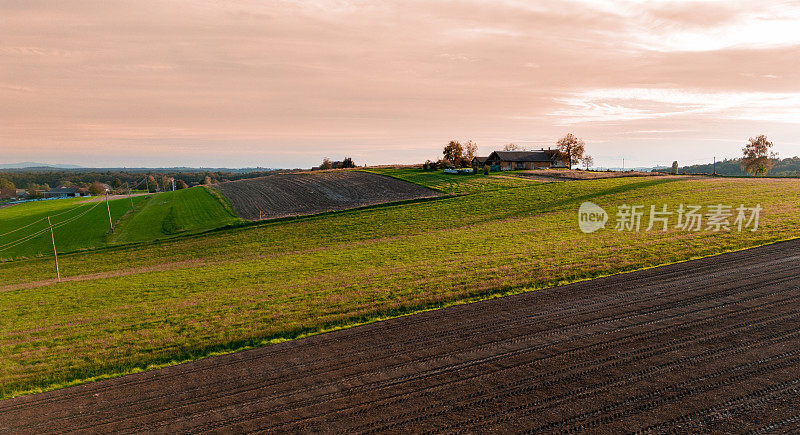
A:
(625, 104)
(258, 77)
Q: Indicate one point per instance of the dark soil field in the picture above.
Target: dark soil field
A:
(309, 193)
(707, 345)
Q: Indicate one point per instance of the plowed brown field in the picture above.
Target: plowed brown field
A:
(711, 345)
(306, 193)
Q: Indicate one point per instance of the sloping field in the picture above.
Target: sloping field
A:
(711, 345)
(172, 213)
(309, 193)
(459, 184)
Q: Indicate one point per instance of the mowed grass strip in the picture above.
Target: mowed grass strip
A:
(282, 280)
(85, 225)
(456, 184)
(180, 212)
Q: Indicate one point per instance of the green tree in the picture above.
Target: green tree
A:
(570, 149)
(180, 184)
(453, 151)
(326, 164)
(152, 185)
(675, 167)
(348, 163)
(758, 159)
(6, 184)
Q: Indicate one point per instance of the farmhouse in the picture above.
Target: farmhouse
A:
(511, 160)
(479, 161)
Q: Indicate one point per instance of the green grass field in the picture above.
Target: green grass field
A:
(133, 307)
(78, 225)
(455, 183)
(172, 213)
(81, 225)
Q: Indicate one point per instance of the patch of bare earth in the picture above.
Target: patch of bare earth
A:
(308, 193)
(576, 174)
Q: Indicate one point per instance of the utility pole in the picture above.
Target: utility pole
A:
(108, 207)
(173, 184)
(55, 254)
(715, 165)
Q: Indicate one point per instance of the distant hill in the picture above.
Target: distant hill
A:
(788, 167)
(24, 165)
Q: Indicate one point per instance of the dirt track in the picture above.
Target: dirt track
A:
(306, 193)
(708, 345)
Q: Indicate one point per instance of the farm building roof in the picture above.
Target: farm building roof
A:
(63, 190)
(480, 159)
(526, 156)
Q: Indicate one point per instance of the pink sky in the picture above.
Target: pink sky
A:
(285, 83)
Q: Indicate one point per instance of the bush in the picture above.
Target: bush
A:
(485, 169)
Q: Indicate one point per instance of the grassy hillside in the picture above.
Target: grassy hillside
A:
(79, 225)
(455, 183)
(171, 213)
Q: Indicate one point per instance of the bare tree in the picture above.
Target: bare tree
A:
(512, 147)
(571, 149)
(757, 158)
(587, 161)
(470, 149)
(97, 188)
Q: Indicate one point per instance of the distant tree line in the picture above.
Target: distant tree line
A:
(150, 180)
(788, 167)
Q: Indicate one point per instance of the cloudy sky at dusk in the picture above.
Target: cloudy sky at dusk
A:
(285, 83)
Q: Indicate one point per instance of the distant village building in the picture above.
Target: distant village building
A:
(8, 194)
(62, 192)
(513, 160)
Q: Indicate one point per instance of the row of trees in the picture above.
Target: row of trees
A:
(328, 164)
(571, 149)
(757, 159)
(23, 178)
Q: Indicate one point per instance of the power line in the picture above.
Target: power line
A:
(39, 220)
(18, 242)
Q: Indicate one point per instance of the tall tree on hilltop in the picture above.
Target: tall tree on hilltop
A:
(570, 149)
(757, 158)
